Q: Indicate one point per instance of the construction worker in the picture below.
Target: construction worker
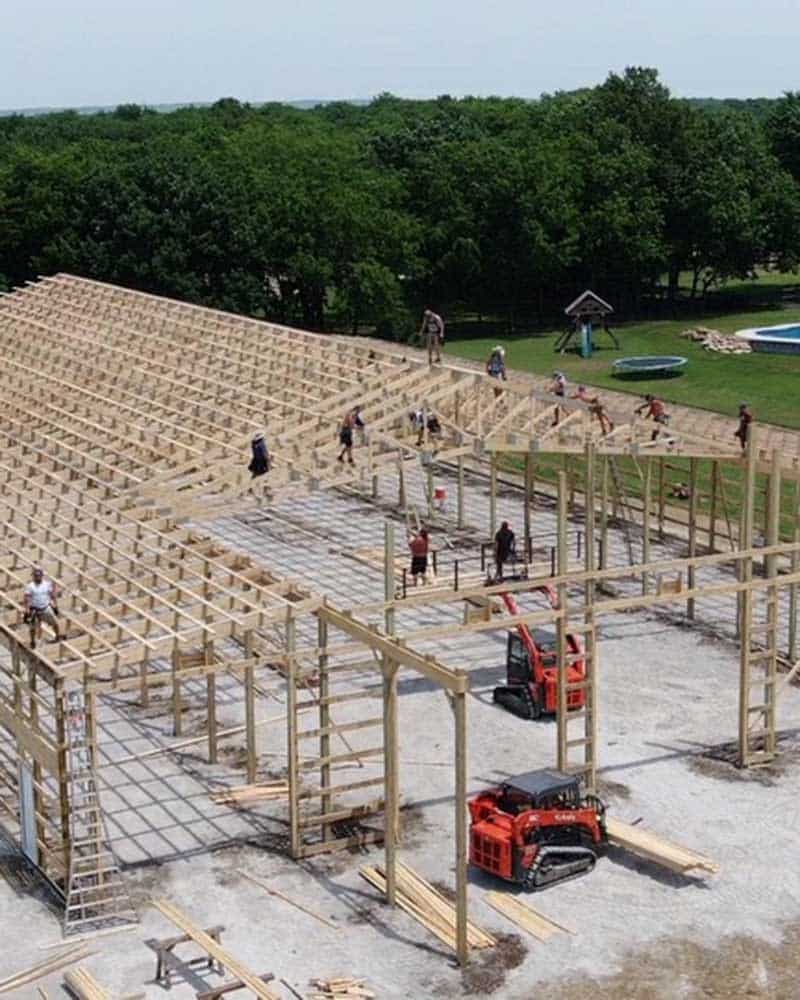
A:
(40, 598)
(352, 419)
(259, 462)
(419, 546)
(432, 332)
(496, 366)
(504, 548)
(596, 408)
(418, 422)
(558, 386)
(745, 420)
(655, 409)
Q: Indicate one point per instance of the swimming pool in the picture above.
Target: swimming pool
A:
(783, 339)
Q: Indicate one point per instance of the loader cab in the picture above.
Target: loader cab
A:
(519, 669)
(545, 789)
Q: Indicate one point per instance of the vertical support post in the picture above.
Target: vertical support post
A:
(661, 498)
(690, 609)
(391, 804)
(326, 800)
(746, 599)
(429, 484)
(492, 494)
(401, 484)
(63, 775)
(33, 711)
(460, 492)
(795, 566)
(712, 513)
(589, 498)
(604, 514)
(561, 631)
(460, 711)
(250, 708)
(144, 687)
(290, 643)
(211, 703)
(773, 596)
(646, 503)
(177, 708)
(528, 502)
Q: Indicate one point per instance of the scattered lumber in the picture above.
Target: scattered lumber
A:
(27, 976)
(245, 795)
(524, 916)
(345, 987)
(126, 929)
(215, 950)
(427, 906)
(83, 984)
(287, 899)
(654, 848)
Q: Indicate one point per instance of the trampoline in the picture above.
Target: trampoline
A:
(650, 366)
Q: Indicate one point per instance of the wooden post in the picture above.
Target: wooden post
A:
(460, 711)
(144, 687)
(561, 713)
(211, 703)
(326, 800)
(690, 610)
(250, 708)
(772, 638)
(746, 599)
(588, 526)
(528, 502)
(391, 804)
(177, 708)
(429, 483)
(63, 772)
(291, 734)
(795, 566)
(492, 494)
(646, 500)
(712, 513)
(661, 498)
(460, 492)
(401, 483)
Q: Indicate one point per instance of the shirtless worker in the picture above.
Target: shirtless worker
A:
(432, 332)
(40, 605)
(558, 387)
(596, 408)
(655, 409)
(352, 419)
(419, 546)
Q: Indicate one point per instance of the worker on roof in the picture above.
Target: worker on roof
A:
(40, 599)
(432, 334)
(419, 420)
(745, 422)
(655, 410)
(419, 546)
(259, 462)
(596, 408)
(558, 386)
(496, 366)
(352, 421)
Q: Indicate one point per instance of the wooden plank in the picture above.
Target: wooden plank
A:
(524, 916)
(655, 848)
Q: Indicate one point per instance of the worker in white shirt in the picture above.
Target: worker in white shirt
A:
(40, 605)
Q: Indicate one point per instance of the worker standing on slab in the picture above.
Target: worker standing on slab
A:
(40, 605)
(352, 421)
(504, 548)
(259, 462)
(655, 409)
(432, 332)
(419, 546)
(745, 421)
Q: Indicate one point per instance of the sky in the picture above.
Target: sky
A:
(73, 53)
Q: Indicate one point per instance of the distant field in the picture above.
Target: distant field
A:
(768, 382)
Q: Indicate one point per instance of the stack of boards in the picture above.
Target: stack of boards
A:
(245, 795)
(340, 989)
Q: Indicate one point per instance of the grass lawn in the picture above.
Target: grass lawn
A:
(768, 382)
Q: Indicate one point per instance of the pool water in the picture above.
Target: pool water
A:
(781, 332)
(783, 339)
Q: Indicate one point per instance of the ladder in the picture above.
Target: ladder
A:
(97, 896)
(622, 498)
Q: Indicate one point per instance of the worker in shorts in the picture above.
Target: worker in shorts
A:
(352, 420)
(419, 546)
(596, 408)
(432, 334)
(655, 409)
(40, 599)
(419, 420)
(558, 387)
(745, 421)
(496, 366)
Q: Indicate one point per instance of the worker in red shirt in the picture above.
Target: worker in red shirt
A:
(655, 409)
(745, 420)
(419, 555)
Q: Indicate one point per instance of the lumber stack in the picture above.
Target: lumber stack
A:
(344, 987)
(524, 916)
(50, 965)
(83, 984)
(427, 906)
(654, 848)
(245, 795)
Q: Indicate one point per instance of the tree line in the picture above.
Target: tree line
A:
(353, 217)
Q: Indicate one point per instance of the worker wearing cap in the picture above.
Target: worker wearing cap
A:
(40, 605)
(745, 420)
(259, 463)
